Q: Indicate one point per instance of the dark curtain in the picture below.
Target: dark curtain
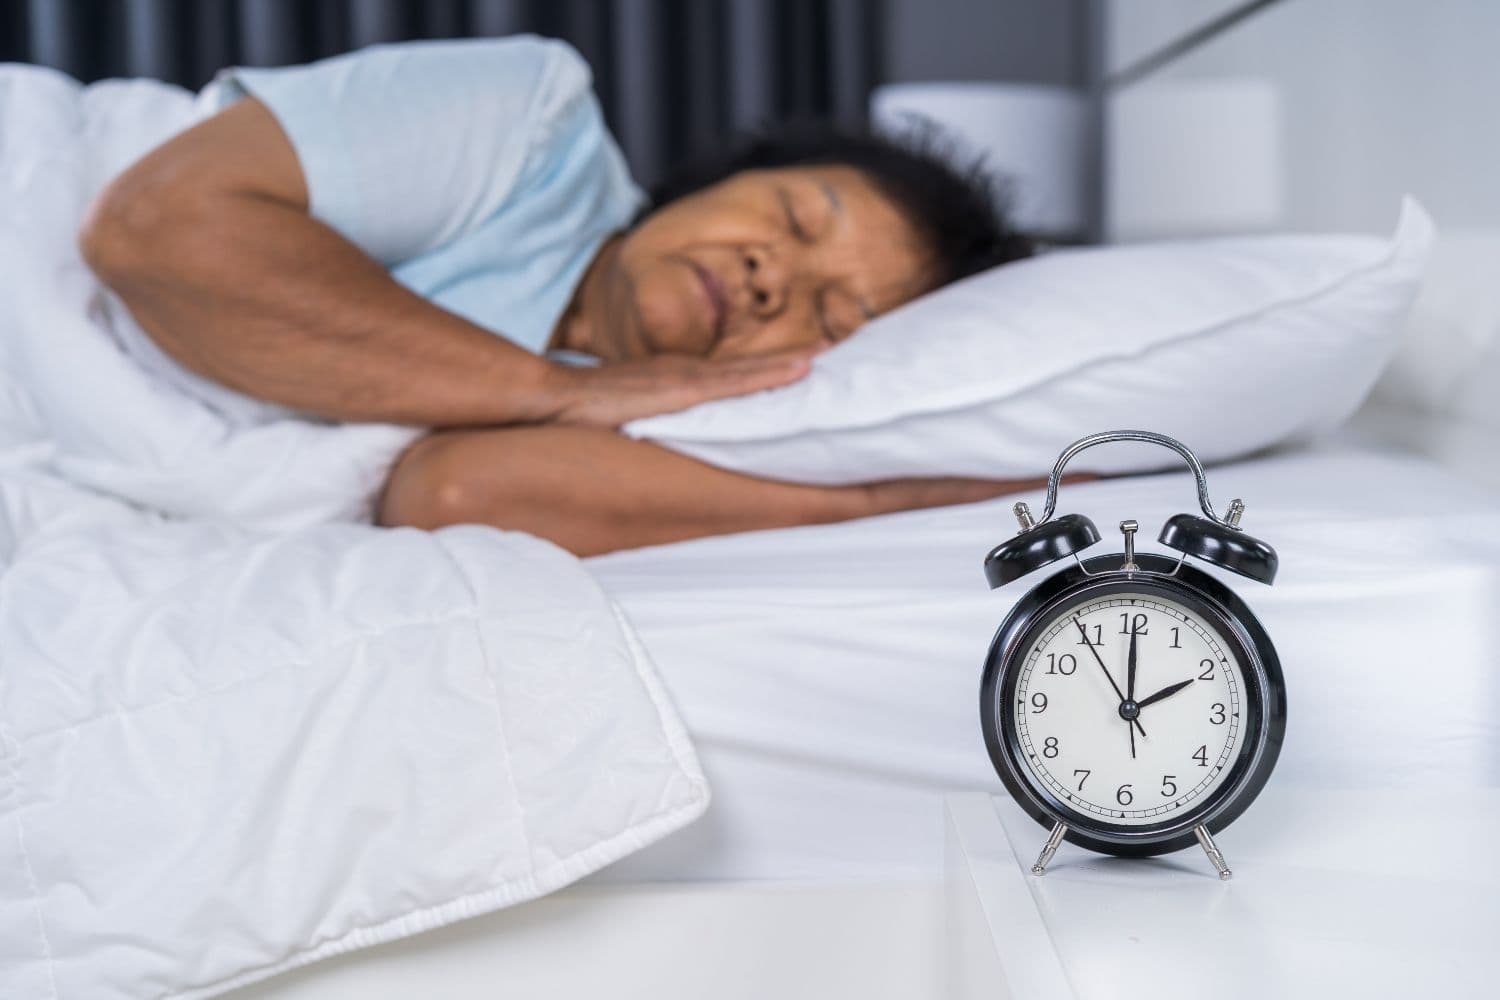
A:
(674, 76)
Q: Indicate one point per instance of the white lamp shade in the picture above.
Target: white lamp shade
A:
(1032, 135)
(1194, 158)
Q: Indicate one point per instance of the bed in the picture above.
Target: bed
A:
(828, 676)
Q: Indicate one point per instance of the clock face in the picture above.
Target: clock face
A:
(1187, 710)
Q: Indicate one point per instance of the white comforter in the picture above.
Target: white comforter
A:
(240, 730)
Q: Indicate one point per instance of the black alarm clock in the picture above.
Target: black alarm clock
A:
(1132, 703)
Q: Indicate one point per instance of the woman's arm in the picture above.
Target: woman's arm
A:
(592, 490)
(209, 243)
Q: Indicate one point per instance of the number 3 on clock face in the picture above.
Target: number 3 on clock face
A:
(1074, 693)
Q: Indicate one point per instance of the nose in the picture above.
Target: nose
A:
(766, 277)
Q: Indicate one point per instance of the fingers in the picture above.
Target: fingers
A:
(616, 394)
(677, 383)
(736, 378)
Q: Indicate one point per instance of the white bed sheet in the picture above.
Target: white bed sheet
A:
(829, 675)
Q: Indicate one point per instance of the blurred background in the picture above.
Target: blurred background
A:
(1116, 119)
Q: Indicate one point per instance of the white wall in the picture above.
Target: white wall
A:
(1373, 99)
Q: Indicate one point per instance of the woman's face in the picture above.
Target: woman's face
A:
(765, 261)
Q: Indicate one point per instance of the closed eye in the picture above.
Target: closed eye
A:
(792, 221)
(828, 331)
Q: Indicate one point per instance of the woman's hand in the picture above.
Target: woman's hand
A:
(614, 394)
(891, 495)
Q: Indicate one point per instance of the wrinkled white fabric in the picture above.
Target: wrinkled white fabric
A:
(240, 731)
(114, 424)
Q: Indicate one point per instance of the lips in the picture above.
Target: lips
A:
(713, 291)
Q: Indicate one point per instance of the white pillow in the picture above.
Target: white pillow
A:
(1448, 364)
(1230, 345)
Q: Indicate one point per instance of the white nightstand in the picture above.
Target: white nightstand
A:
(1335, 894)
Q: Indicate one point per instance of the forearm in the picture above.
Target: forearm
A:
(593, 491)
(589, 490)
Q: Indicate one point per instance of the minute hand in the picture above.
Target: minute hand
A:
(1084, 632)
(1165, 692)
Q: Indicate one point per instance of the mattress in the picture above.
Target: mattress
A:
(829, 675)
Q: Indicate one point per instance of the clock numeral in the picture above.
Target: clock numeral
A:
(1038, 703)
(1176, 637)
(1132, 624)
(1202, 756)
(1168, 785)
(1085, 773)
(1208, 670)
(1049, 747)
(1218, 717)
(1123, 795)
(1083, 637)
(1065, 664)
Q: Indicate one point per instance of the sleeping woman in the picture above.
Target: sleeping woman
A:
(445, 235)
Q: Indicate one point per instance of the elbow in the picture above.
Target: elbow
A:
(432, 486)
(133, 226)
(114, 223)
(98, 238)
(503, 482)
(420, 490)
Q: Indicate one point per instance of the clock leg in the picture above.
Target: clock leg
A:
(1212, 850)
(1058, 832)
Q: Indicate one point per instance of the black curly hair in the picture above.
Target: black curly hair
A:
(956, 208)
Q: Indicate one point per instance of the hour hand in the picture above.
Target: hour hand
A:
(1130, 691)
(1165, 692)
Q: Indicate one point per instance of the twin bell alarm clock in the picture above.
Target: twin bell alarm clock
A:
(1131, 702)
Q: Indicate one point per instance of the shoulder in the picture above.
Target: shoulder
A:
(564, 84)
(545, 76)
(549, 62)
(518, 63)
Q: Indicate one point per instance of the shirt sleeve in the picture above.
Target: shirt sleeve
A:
(406, 147)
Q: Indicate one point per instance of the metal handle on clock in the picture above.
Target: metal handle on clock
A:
(1148, 437)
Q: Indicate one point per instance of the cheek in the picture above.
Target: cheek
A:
(669, 322)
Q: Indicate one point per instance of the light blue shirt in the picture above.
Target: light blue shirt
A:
(479, 172)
